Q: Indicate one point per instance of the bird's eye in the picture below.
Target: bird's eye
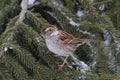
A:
(50, 29)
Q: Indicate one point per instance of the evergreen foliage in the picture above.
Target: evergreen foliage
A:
(23, 52)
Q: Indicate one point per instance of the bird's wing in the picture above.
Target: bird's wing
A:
(67, 38)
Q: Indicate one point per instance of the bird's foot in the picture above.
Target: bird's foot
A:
(64, 62)
(48, 52)
(60, 66)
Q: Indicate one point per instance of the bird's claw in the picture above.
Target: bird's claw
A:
(60, 66)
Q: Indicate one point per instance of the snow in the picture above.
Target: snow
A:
(118, 47)
(93, 55)
(102, 7)
(37, 39)
(94, 63)
(117, 44)
(107, 38)
(84, 67)
(81, 66)
(86, 32)
(50, 13)
(31, 2)
(72, 22)
(79, 13)
(106, 42)
(55, 3)
(107, 49)
(5, 49)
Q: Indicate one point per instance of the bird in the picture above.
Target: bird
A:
(62, 43)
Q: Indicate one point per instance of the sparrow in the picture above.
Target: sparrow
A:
(62, 43)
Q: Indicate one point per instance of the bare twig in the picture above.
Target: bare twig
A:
(24, 6)
(103, 2)
(1, 54)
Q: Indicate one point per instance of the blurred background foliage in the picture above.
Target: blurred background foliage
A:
(23, 53)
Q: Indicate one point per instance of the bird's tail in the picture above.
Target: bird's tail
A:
(87, 40)
(83, 41)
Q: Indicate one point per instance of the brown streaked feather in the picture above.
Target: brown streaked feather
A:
(70, 39)
(66, 37)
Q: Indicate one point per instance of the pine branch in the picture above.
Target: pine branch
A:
(7, 37)
(32, 40)
(8, 10)
(15, 68)
(89, 7)
(2, 77)
(22, 49)
(37, 47)
(60, 19)
(103, 2)
(44, 73)
(69, 4)
(25, 58)
(10, 31)
(37, 20)
(4, 72)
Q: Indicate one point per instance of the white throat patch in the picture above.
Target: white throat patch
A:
(55, 33)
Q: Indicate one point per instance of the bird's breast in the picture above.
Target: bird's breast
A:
(57, 48)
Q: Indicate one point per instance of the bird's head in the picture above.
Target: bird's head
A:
(50, 31)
